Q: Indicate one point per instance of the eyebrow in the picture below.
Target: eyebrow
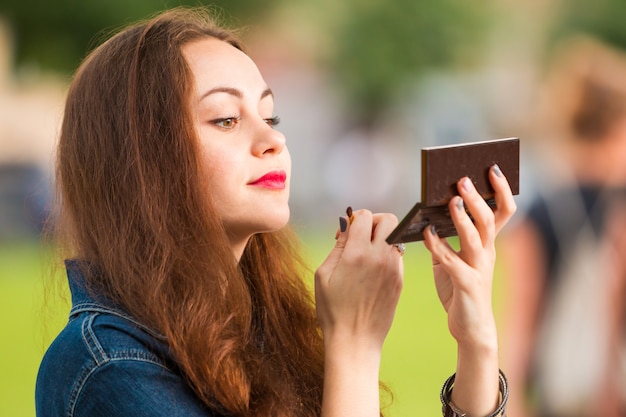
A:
(234, 92)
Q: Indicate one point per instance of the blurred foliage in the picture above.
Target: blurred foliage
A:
(377, 46)
(376, 50)
(56, 35)
(603, 19)
(383, 45)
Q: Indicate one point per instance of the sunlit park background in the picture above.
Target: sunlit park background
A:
(360, 87)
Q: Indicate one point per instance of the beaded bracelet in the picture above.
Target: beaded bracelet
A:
(450, 410)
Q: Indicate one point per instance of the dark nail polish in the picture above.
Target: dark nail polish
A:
(433, 230)
(343, 224)
(350, 214)
(497, 170)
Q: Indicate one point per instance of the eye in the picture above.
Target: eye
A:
(226, 122)
(273, 121)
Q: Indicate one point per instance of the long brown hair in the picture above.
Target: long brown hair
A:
(134, 207)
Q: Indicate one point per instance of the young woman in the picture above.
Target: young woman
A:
(188, 297)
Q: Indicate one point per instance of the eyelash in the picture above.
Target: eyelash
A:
(272, 121)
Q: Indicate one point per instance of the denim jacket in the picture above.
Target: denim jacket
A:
(104, 363)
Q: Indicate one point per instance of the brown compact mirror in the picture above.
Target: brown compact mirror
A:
(442, 167)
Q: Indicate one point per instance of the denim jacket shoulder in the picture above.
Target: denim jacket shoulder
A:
(105, 363)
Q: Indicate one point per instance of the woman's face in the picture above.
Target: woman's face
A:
(246, 160)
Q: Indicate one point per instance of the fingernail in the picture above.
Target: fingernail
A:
(343, 224)
(467, 184)
(433, 230)
(460, 204)
(497, 170)
(350, 215)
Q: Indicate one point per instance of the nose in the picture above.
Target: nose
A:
(267, 140)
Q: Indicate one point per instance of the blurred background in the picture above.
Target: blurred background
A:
(360, 85)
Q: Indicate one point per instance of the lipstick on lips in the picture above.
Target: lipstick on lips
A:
(273, 180)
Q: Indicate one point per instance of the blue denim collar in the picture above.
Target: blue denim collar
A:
(84, 300)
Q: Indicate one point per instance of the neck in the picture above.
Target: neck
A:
(238, 246)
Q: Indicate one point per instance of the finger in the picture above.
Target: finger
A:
(435, 261)
(443, 255)
(342, 232)
(505, 204)
(336, 252)
(361, 226)
(469, 237)
(343, 226)
(383, 225)
(481, 212)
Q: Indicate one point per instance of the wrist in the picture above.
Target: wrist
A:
(476, 379)
(477, 351)
(351, 369)
(449, 408)
(347, 348)
(481, 340)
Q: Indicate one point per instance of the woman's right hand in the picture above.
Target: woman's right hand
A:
(358, 286)
(357, 290)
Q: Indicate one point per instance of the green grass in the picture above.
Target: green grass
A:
(27, 324)
(418, 355)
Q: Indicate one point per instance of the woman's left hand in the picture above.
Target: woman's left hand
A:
(464, 278)
(464, 283)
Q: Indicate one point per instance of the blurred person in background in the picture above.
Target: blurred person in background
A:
(188, 291)
(565, 258)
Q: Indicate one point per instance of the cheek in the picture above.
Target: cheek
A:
(226, 176)
(222, 176)
(220, 162)
(219, 187)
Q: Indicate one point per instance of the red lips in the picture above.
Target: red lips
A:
(274, 180)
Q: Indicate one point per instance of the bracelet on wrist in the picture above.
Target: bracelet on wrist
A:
(450, 410)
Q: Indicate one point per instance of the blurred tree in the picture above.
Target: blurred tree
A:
(376, 46)
(56, 35)
(604, 19)
(381, 46)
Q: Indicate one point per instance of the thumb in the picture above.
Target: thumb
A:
(340, 242)
(341, 232)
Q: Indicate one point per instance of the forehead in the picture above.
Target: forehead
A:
(217, 63)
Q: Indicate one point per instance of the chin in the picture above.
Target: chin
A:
(279, 221)
(268, 219)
